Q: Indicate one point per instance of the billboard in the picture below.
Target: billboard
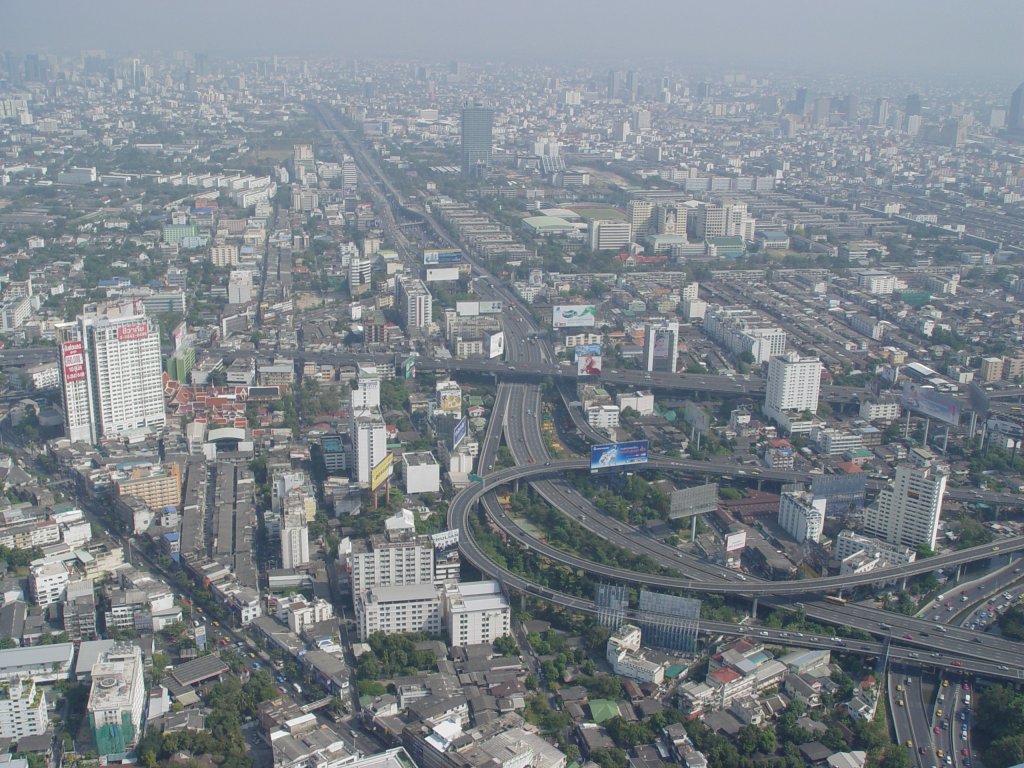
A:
(490, 307)
(1005, 425)
(445, 539)
(735, 541)
(588, 365)
(536, 279)
(382, 471)
(573, 316)
(979, 399)
(179, 335)
(442, 274)
(698, 500)
(662, 343)
(581, 350)
(495, 344)
(133, 332)
(72, 356)
(931, 403)
(618, 454)
(467, 308)
(459, 433)
(435, 256)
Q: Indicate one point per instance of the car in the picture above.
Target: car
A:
(900, 702)
(958, 663)
(966, 687)
(257, 665)
(938, 713)
(964, 752)
(940, 753)
(1004, 667)
(908, 636)
(923, 750)
(899, 687)
(945, 683)
(762, 633)
(910, 742)
(936, 729)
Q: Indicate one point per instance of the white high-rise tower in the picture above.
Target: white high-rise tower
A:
(908, 509)
(111, 374)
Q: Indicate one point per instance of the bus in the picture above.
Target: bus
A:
(835, 600)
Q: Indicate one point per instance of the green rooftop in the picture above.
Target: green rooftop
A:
(603, 709)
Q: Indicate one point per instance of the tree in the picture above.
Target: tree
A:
(506, 646)
(895, 756)
(609, 757)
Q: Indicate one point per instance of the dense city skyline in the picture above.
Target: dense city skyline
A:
(918, 38)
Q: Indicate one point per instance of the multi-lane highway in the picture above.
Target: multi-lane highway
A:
(470, 496)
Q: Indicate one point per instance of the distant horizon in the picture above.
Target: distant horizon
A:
(941, 39)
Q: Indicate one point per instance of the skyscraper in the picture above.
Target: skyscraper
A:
(913, 105)
(477, 139)
(111, 374)
(908, 509)
(1015, 118)
(881, 114)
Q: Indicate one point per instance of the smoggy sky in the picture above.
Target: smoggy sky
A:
(958, 39)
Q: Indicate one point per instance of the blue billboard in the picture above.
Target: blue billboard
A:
(459, 433)
(618, 454)
(585, 350)
(441, 256)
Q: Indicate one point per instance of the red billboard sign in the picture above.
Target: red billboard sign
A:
(132, 332)
(72, 355)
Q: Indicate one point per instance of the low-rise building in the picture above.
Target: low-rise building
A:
(422, 472)
(623, 653)
(22, 709)
(396, 609)
(476, 612)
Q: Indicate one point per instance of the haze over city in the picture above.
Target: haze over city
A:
(535, 385)
(940, 38)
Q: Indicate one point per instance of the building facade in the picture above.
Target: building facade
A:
(111, 376)
(907, 511)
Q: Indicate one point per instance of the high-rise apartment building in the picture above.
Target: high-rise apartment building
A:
(477, 138)
(360, 270)
(794, 384)
(294, 541)
(394, 559)
(369, 444)
(802, 516)
(349, 175)
(111, 375)
(907, 511)
(117, 699)
(416, 303)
